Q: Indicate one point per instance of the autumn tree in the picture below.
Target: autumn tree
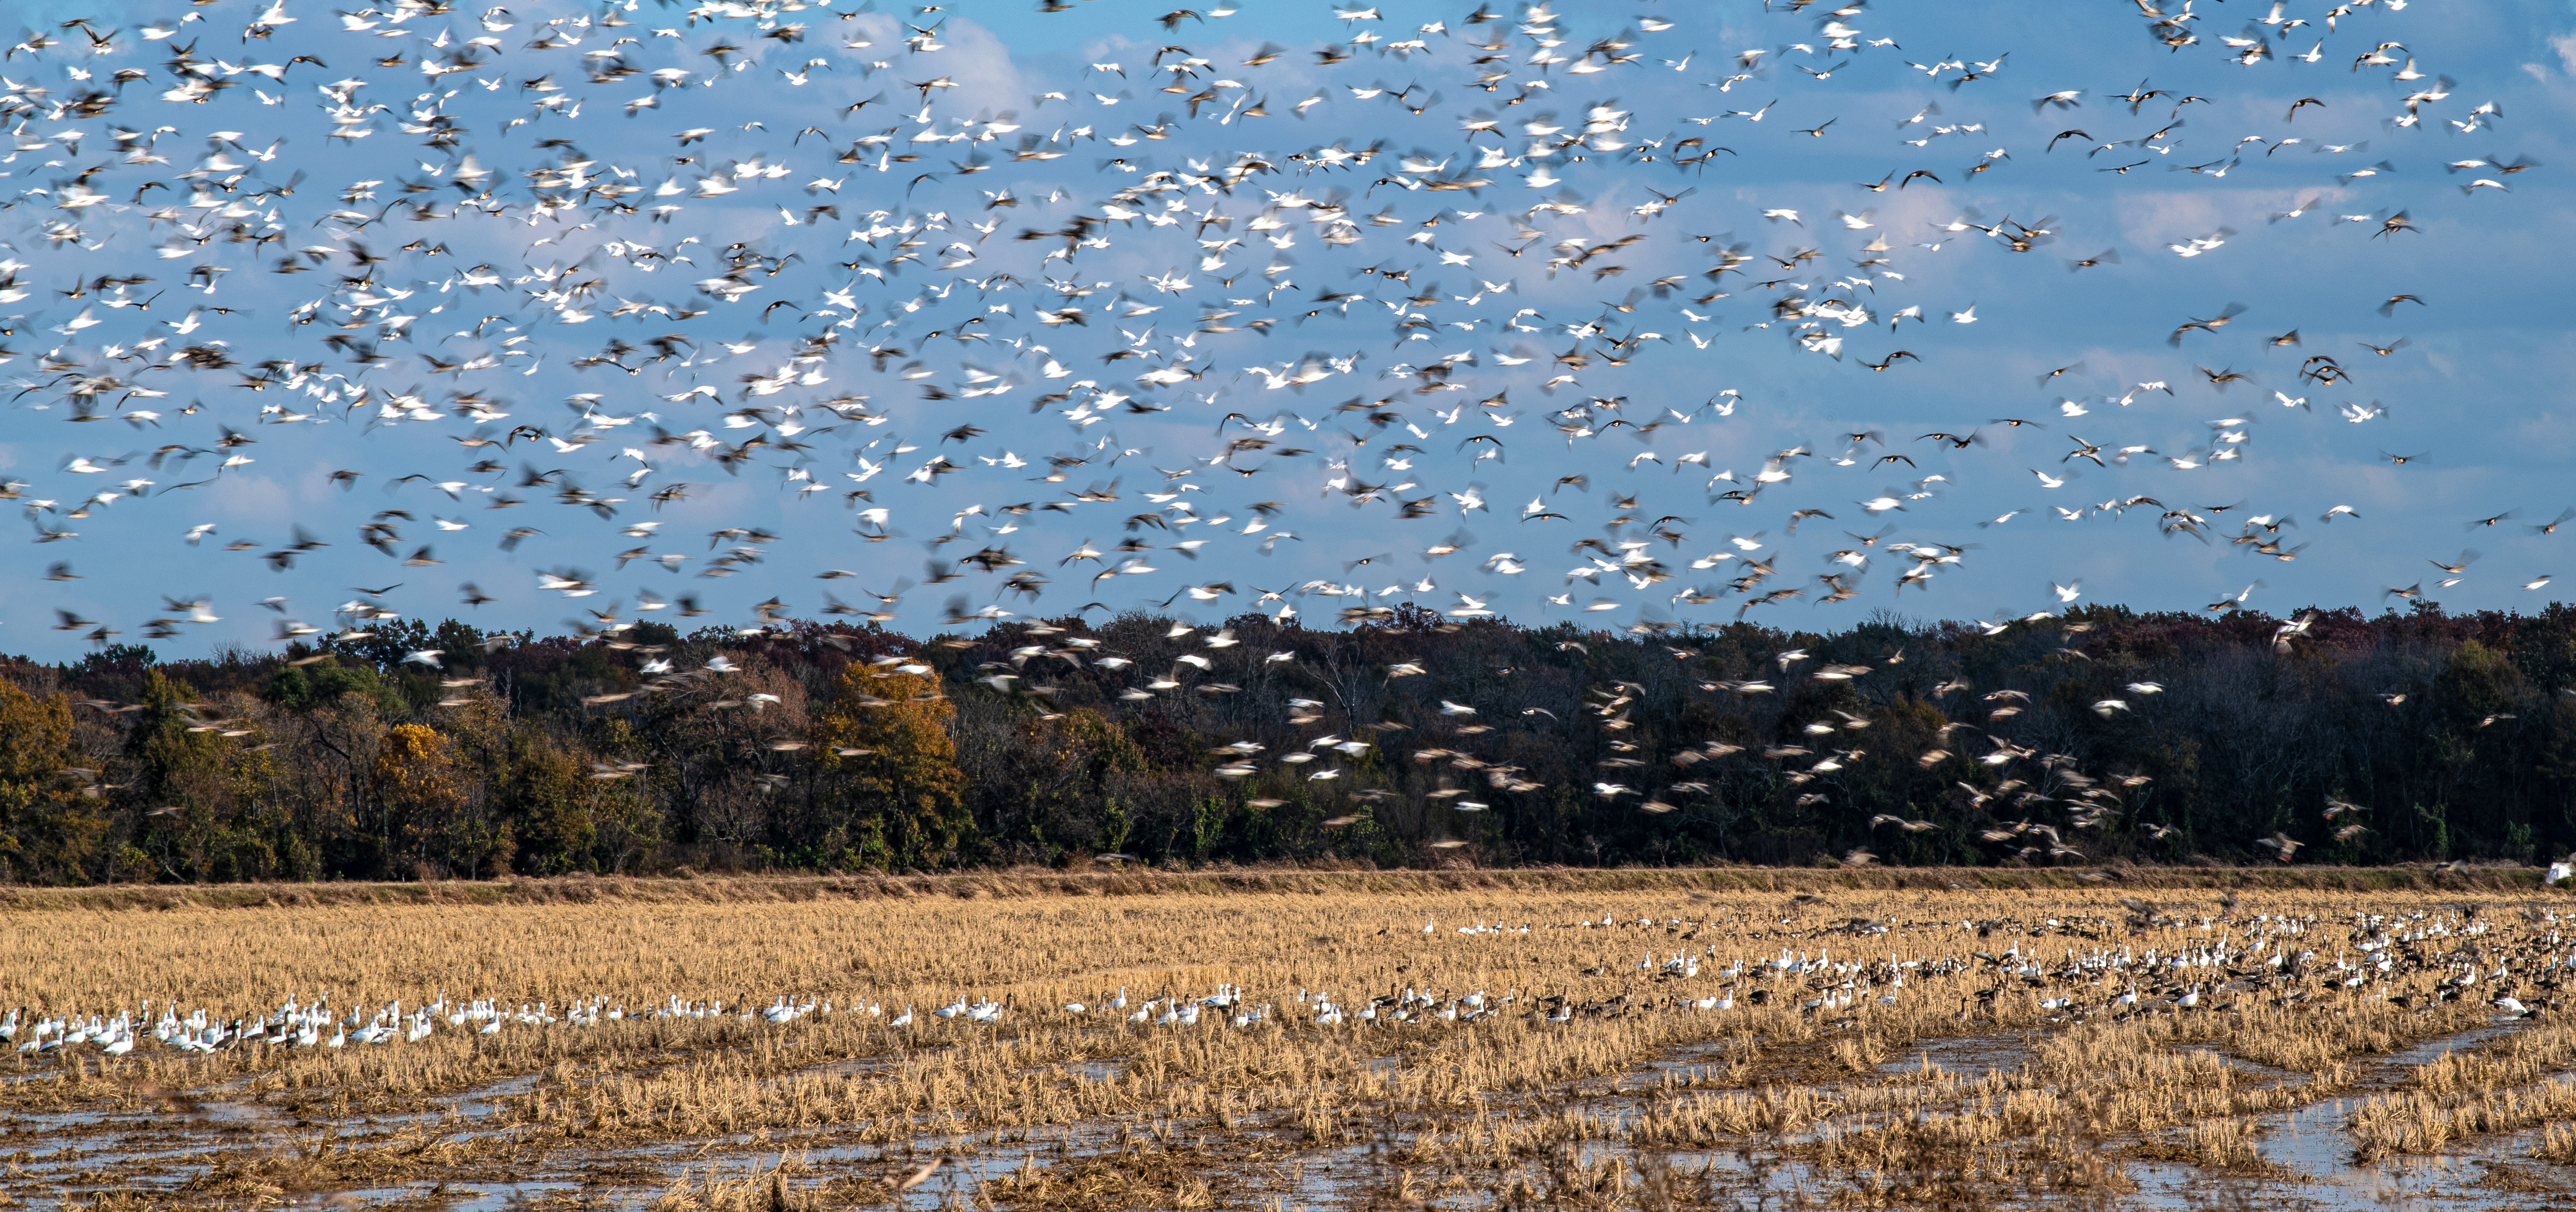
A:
(888, 792)
(415, 786)
(48, 832)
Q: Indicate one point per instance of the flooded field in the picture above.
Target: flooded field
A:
(1731, 1048)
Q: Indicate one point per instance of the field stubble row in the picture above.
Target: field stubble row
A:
(1629, 1100)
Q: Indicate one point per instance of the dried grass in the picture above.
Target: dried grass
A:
(1089, 1111)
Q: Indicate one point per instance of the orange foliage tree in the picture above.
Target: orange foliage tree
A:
(888, 792)
(415, 784)
(48, 832)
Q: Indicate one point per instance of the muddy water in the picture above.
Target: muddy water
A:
(61, 1158)
(1968, 1056)
(2311, 1155)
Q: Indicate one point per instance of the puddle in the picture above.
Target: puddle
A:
(153, 1152)
(1689, 1066)
(1331, 1177)
(1970, 1057)
(1767, 1181)
(970, 1161)
(158, 1150)
(2268, 1074)
(2448, 1182)
(2432, 1050)
(2310, 1142)
(1106, 1069)
(495, 1198)
(484, 1102)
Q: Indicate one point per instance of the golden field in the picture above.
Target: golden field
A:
(1571, 1039)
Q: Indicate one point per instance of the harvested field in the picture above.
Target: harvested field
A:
(1320, 1040)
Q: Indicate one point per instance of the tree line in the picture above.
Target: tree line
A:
(2095, 736)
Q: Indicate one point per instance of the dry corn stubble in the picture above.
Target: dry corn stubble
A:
(1808, 1066)
(2513, 1084)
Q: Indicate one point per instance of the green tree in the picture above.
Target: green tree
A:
(547, 798)
(302, 688)
(2470, 743)
(1038, 784)
(181, 780)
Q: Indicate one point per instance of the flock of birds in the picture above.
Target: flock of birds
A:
(936, 214)
(2011, 778)
(305, 1025)
(2232, 955)
(973, 231)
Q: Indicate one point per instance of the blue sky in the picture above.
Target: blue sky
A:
(508, 298)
